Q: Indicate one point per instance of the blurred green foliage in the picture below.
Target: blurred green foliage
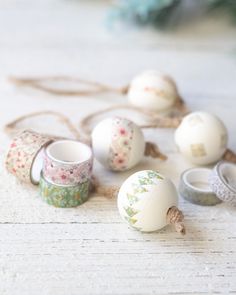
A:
(227, 6)
(162, 13)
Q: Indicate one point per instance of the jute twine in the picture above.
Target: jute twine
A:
(229, 156)
(153, 120)
(106, 191)
(12, 127)
(91, 88)
(176, 217)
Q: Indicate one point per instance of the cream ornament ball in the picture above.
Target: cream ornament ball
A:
(202, 138)
(145, 200)
(118, 143)
(153, 90)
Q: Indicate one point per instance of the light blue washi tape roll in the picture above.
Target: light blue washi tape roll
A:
(223, 181)
(195, 188)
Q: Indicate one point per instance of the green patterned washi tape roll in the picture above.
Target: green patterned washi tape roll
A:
(64, 196)
(194, 187)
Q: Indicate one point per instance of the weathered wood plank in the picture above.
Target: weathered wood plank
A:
(95, 259)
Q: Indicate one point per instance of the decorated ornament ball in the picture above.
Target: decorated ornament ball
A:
(144, 200)
(202, 138)
(118, 143)
(153, 90)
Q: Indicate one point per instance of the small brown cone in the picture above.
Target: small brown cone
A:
(229, 156)
(176, 217)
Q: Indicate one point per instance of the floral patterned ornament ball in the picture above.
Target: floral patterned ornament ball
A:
(118, 143)
(153, 90)
(144, 200)
(202, 138)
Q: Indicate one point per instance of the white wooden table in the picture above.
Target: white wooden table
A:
(89, 249)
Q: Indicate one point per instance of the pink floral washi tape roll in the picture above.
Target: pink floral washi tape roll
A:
(68, 162)
(25, 156)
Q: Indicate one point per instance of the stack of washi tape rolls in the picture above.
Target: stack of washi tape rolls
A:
(61, 167)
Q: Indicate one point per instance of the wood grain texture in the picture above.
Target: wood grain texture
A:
(89, 250)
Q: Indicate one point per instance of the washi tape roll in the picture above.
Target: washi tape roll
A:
(25, 155)
(195, 188)
(223, 181)
(63, 196)
(68, 162)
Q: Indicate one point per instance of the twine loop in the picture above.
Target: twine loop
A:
(11, 127)
(87, 88)
(176, 217)
(152, 150)
(106, 191)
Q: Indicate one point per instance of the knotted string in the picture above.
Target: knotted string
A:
(154, 120)
(152, 150)
(229, 156)
(11, 127)
(92, 88)
(104, 190)
(176, 217)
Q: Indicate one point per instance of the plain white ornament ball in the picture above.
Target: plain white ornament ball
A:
(144, 200)
(153, 90)
(202, 138)
(118, 143)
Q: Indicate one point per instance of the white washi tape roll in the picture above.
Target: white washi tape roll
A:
(195, 188)
(223, 181)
